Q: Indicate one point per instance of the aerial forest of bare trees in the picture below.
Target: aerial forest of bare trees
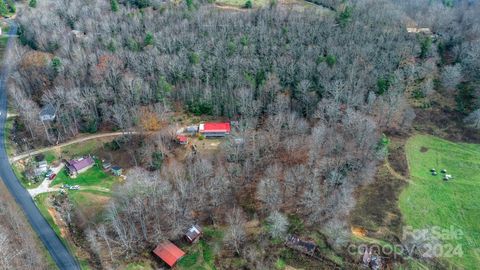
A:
(312, 94)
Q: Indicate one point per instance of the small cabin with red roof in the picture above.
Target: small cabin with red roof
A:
(169, 253)
(214, 129)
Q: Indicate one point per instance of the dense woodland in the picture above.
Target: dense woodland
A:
(312, 94)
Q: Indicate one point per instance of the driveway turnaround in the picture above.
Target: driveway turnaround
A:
(59, 252)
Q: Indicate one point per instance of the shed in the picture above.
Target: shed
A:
(169, 253)
(191, 129)
(117, 170)
(182, 139)
(48, 113)
(106, 166)
(42, 164)
(194, 233)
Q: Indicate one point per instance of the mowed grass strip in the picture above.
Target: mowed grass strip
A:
(430, 201)
(241, 3)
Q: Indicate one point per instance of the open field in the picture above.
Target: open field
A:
(430, 201)
(297, 5)
(241, 3)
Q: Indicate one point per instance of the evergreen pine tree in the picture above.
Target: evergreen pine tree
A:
(114, 5)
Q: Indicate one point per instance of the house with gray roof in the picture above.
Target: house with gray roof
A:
(48, 113)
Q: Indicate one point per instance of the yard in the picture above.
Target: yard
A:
(430, 201)
(94, 178)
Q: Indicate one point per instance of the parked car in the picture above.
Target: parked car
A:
(52, 176)
(76, 187)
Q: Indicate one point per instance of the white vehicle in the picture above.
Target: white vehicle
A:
(76, 187)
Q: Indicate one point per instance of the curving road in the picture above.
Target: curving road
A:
(59, 252)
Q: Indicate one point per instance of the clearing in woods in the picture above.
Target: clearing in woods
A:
(429, 201)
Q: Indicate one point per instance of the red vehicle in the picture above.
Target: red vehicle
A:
(52, 176)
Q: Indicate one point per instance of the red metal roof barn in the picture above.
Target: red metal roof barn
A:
(214, 129)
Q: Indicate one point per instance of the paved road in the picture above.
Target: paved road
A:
(60, 254)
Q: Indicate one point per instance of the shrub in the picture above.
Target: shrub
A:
(248, 4)
(112, 146)
(3, 8)
(382, 85)
(114, 5)
(163, 89)
(345, 16)
(280, 264)
(189, 4)
(148, 39)
(32, 3)
(11, 6)
(157, 160)
(56, 65)
(90, 126)
(140, 3)
(194, 58)
(331, 60)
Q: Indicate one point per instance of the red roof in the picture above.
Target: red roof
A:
(182, 138)
(215, 127)
(169, 253)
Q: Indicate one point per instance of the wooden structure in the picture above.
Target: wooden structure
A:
(307, 247)
(169, 253)
(117, 170)
(193, 234)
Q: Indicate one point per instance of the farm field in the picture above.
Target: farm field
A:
(430, 201)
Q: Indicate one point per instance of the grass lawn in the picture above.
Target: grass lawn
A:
(41, 201)
(201, 256)
(82, 149)
(50, 156)
(241, 3)
(429, 201)
(23, 180)
(8, 143)
(94, 176)
(90, 203)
